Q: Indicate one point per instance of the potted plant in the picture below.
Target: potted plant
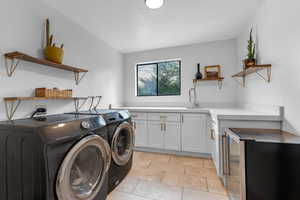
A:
(51, 51)
(250, 61)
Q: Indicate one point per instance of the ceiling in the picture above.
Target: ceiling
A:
(129, 26)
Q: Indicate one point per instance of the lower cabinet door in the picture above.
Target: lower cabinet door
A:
(141, 133)
(194, 133)
(172, 136)
(155, 135)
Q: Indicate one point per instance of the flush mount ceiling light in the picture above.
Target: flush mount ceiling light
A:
(154, 4)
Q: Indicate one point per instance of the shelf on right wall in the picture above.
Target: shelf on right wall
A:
(254, 69)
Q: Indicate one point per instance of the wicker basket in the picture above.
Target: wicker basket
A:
(53, 93)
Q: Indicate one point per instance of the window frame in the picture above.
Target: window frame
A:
(157, 88)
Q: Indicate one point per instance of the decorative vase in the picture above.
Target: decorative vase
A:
(198, 74)
(54, 54)
(249, 63)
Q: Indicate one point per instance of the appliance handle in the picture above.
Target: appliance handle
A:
(227, 157)
(224, 155)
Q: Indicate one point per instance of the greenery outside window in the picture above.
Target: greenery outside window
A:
(159, 79)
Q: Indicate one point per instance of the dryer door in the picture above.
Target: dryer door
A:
(122, 144)
(83, 170)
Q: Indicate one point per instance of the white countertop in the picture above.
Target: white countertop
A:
(216, 113)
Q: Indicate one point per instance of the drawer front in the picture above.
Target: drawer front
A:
(138, 116)
(168, 117)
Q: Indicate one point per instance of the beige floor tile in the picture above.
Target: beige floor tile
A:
(137, 154)
(185, 181)
(157, 191)
(201, 172)
(124, 196)
(199, 195)
(164, 177)
(216, 186)
(152, 174)
(140, 156)
(156, 157)
(168, 167)
(141, 164)
(128, 185)
(208, 164)
(187, 161)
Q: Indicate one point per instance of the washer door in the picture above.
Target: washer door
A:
(83, 170)
(122, 144)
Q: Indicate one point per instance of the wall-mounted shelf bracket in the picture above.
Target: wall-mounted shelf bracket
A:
(79, 103)
(11, 108)
(78, 78)
(219, 81)
(241, 82)
(267, 78)
(220, 84)
(254, 69)
(11, 66)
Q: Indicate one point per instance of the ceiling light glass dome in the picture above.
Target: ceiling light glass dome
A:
(154, 4)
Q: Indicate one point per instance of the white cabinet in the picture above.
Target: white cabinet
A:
(172, 136)
(156, 134)
(140, 126)
(164, 131)
(194, 133)
(141, 133)
(172, 131)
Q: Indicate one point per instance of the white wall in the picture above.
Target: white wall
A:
(213, 53)
(22, 29)
(278, 38)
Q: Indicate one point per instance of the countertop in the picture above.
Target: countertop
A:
(216, 113)
(264, 135)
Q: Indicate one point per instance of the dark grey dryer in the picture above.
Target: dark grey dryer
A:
(62, 157)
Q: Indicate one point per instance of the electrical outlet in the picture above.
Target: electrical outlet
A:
(40, 106)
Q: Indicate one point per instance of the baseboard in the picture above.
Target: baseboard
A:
(179, 153)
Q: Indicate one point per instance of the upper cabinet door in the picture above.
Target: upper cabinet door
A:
(141, 133)
(172, 136)
(155, 134)
(194, 133)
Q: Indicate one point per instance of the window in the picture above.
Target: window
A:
(159, 79)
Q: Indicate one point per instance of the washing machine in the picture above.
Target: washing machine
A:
(62, 157)
(121, 139)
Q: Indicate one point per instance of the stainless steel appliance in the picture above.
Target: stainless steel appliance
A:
(233, 165)
(261, 164)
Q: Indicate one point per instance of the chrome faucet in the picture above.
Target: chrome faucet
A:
(194, 100)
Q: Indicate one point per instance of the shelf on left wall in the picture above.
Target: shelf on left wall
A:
(13, 103)
(16, 57)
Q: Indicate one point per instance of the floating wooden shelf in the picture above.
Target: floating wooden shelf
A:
(21, 56)
(219, 80)
(254, 69)
(11, 107)
(40, 98)
(209, 79)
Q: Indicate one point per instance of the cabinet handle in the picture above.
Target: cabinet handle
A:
(165, 127)
(161, 126)
(182, 118)
(212, 136)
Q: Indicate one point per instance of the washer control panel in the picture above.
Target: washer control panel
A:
(85, 124)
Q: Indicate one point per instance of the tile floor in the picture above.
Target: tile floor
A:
(168, 177)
